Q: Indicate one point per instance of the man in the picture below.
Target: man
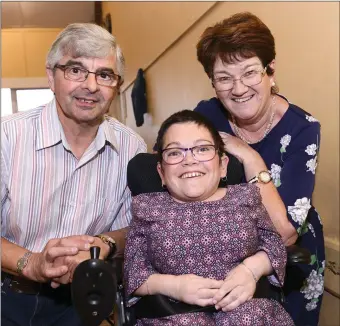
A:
(63, 179)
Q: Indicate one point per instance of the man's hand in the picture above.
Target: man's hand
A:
(41, 266)
(73, 261)
(194, 289)
(238, 287)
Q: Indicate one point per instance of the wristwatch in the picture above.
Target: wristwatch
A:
(110, 242)
(262, 177)
(22, 262)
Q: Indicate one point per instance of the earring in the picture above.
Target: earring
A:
(163, 185)
(273, 83)
(224, 179)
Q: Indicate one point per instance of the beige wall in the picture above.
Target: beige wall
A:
(146, 29)
(307, 39)
(24, 50)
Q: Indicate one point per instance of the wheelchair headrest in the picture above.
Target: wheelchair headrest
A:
(142, 175)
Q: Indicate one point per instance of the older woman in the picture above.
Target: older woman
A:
(276, 141)
(189, 243)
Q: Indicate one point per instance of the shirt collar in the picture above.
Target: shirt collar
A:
(51, 132)
(106, 133)
(49, 127)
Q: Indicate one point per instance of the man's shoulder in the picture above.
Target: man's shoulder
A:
(22, 118)
(124, 132)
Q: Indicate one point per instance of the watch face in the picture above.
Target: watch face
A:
(265, 176)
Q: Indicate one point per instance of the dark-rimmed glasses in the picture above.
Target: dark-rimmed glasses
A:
(103, 78)
(201, 153)
(250, 78)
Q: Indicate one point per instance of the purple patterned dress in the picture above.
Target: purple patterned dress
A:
(207, 239)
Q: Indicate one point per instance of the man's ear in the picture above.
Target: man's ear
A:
(160, 172)
(224, 165)
(50, 77)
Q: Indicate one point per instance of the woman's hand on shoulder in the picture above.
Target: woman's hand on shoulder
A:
(237, 147)
(239, 286)
(193, 289)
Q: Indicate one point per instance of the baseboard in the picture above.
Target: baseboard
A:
(332, 270)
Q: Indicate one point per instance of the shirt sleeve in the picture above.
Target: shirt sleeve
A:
(137, 266)
(271, 243)
(295, 182)
(4, 170)
(123, 217)
(124, 214)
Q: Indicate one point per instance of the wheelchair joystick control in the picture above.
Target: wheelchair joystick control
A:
(94, 288)
(95, 252)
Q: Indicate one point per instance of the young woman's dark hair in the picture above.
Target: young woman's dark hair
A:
(186, 116)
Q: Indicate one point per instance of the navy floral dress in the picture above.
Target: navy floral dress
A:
(206, 239)
(290, 152)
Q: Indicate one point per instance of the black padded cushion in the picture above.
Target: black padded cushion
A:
(142, 175)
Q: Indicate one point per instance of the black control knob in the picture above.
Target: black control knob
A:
(95, 252)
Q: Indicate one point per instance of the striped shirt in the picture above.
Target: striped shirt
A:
(46, 192)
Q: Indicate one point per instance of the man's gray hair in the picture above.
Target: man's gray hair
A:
(85, 40)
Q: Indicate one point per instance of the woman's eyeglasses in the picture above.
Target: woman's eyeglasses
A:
(201, 153)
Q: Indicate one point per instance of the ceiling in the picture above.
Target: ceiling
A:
(46, 14)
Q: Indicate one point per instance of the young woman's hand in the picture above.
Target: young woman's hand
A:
(238, 287)
(196, 290)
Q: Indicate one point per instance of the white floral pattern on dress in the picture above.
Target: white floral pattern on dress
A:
(314, 285)
(300, 210)
(311, 305)
(311, 165)
(311, 228)
(275, 171)
(285, 140)
(311, 149)
(311, 119)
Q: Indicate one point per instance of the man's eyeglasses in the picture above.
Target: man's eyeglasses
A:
(201, 153)
(250, 78)
(78, 74)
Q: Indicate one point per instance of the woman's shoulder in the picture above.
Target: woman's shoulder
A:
(210, 108)
(243, 194)
(143, 204)
(214, 111)
(301, 116)
(204, 105)
(150, 197)
(295, 123)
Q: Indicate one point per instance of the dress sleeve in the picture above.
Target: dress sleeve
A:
(296, 179)
(270, 242)
(137, 266)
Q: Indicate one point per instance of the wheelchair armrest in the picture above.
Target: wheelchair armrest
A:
(297, 255)
(158, 306)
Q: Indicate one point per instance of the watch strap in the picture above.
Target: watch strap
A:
(23, 261)
(110, 242)
(259, 177)
(254, 180)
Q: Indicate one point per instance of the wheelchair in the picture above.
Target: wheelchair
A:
(97, 288)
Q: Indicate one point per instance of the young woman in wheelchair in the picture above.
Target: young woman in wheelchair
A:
(201, 244)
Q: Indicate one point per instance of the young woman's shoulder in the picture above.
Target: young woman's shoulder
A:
(144, 205)
(243, 194)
